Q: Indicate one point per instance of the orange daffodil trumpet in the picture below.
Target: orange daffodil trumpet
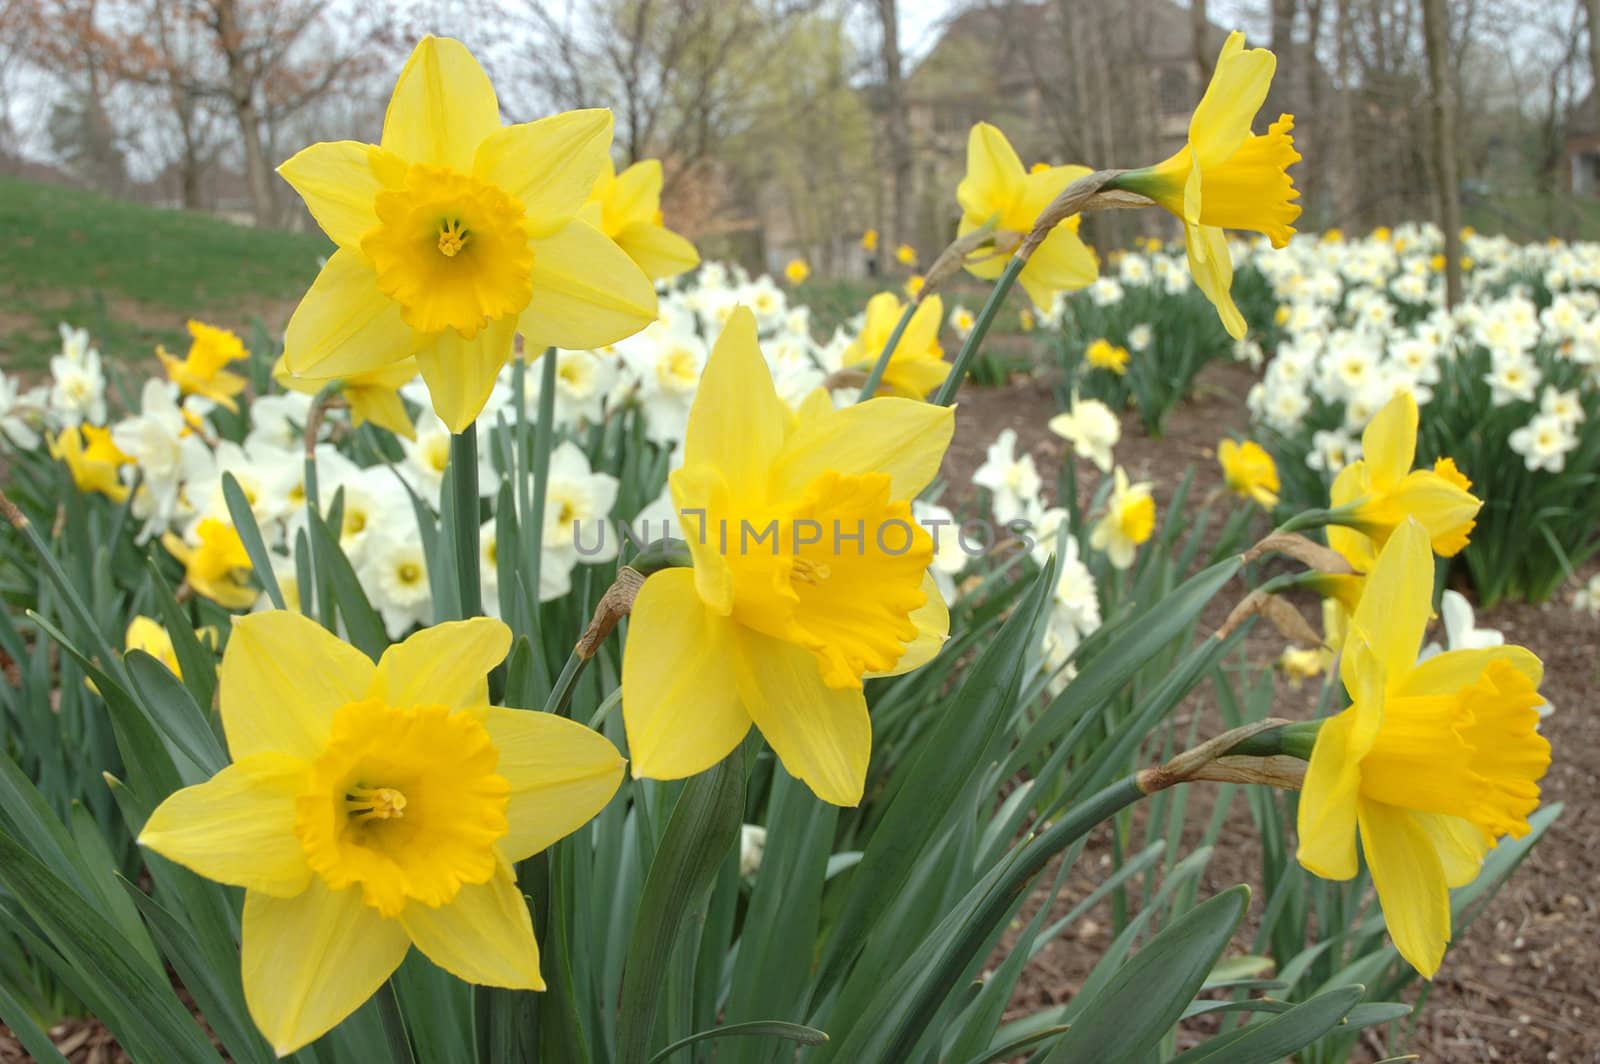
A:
(809, 575)
(372, 808)
(1226, 177)
(998, 189)
(1431, 764)
(455, 233)
(917, 365)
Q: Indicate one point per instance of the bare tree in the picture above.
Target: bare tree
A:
(897, 135)
(1443, 103)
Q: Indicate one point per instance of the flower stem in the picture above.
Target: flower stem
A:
(539, 469)
(980, 328)
(876, 376)
(464, 481)
(566, 683)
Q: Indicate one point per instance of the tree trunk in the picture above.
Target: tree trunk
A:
(1592, 9)
(1435, 30)
(242, 94)
(1200, 39)
(896, 131)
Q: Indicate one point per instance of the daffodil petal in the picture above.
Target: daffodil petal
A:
(680, 698)
(344, 325)
(1239, 84)
(635, 194)
(932, 619)
(1389, 442)
(586, 291)
(283, 676)
(1459, 844)
(311, 960)
(238, 826)
(550, 165)
(384, 408)
(1410, 882)
(445, 665)
(561, 774)
(905, 438)
(701, 496)
(737, 423)
(1449, 672)
(461, 373)
(1397, 600)
(1063, 263)
(337, 182)
(822, 734)
(1212, 270)
(994, 178)
(484, 935)
(442, 108)
(1327, 816)
(657, 250)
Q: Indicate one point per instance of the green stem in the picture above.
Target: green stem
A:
(1294, 740)
(566, 683)
(464, 479)
(394, 1025)
(543, 438)
(980, 328)
(876, 376)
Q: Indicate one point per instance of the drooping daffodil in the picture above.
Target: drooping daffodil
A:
(1433, 762)
(998, 189)
(1225, 176)
(627, 208)
(917, 365)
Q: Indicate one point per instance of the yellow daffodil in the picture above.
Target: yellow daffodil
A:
(1025, 320)
(917, 366)
(92, 459)
(202, 371)
(217, 566)
(1129, 520)
(797, 271)
(1384, 491)
(1103, 354)
(1301, 664)
(809, 575)
(914, 285)
(147, 634)
(1226, 177)
(369, 808)
(373, 396)
(1431, 764)
(454, 233)
(869, 240)
(997, 189)
(627, 208)
(906, 255)
(1381, 234)
(1249, 471)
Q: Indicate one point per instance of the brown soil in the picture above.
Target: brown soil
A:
(1515, 986)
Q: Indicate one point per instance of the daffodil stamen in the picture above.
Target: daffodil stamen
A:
(374, 803)
(452, 238)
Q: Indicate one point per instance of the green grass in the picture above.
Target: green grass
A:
(132, 274)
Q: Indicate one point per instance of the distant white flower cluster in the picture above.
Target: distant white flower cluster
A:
(170, 456)
(1364, 320)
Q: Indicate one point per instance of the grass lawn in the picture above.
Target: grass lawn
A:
(133, 274)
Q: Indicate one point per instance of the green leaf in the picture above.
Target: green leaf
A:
(703, 827)
(793, 1032)
(172, 709)
(197, 663)
(361, 621)
(133, 999)
(1133, 1012)
(35, 1041)
(244, 522)
(1281, 1036)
